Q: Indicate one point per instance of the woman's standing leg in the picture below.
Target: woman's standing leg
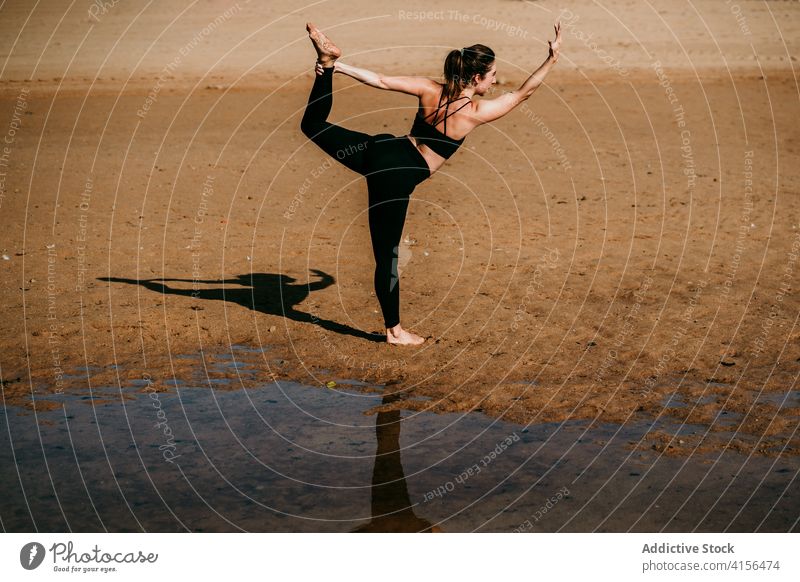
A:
(390, 184)
(387, 215)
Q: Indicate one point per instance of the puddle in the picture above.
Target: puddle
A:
(284, 457)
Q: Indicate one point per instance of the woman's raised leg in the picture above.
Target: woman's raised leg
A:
(345, 145)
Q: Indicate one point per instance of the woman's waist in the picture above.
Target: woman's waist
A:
(392, 151)
(432, 159)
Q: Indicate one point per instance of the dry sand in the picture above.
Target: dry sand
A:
(629, 233)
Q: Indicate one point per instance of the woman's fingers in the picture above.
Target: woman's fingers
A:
(557, 42)
(554, 45)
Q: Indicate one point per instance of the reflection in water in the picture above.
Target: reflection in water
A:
(285, 457)
(392, 510)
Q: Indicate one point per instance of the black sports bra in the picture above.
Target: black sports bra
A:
(427, 133)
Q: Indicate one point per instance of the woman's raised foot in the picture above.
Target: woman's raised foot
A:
(327, 52)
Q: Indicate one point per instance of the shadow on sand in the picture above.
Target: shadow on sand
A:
(270, 293)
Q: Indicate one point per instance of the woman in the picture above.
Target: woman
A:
(393, 166)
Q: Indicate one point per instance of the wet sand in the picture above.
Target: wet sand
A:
(624, 241)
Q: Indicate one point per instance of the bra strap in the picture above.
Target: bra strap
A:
(439, 106)
(446, 113)
(435, 111)
(454, 112)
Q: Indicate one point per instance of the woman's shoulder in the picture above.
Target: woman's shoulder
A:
(433, 87)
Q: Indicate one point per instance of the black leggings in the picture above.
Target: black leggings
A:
(392, 166)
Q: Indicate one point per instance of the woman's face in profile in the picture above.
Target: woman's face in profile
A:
(484, 83)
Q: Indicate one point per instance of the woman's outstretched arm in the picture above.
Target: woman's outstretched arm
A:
(491, 109)
(411, 85)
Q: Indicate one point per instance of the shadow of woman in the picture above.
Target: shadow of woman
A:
(392, 510)
(270, 293)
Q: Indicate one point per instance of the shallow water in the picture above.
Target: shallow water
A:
(287, 457)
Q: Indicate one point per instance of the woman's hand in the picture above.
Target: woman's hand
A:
(555, 45)
(318, 68)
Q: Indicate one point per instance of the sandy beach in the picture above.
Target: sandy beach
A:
(627, 238)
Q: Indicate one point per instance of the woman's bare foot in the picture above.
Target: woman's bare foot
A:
(398, 336)
(327, 52)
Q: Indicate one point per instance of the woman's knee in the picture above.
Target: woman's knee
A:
(309, 127)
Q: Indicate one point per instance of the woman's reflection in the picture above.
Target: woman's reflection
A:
(392, 510)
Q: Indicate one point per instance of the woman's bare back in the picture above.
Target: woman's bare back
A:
(460, 122)
(459, 116)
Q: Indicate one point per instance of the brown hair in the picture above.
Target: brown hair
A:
(461, 66)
